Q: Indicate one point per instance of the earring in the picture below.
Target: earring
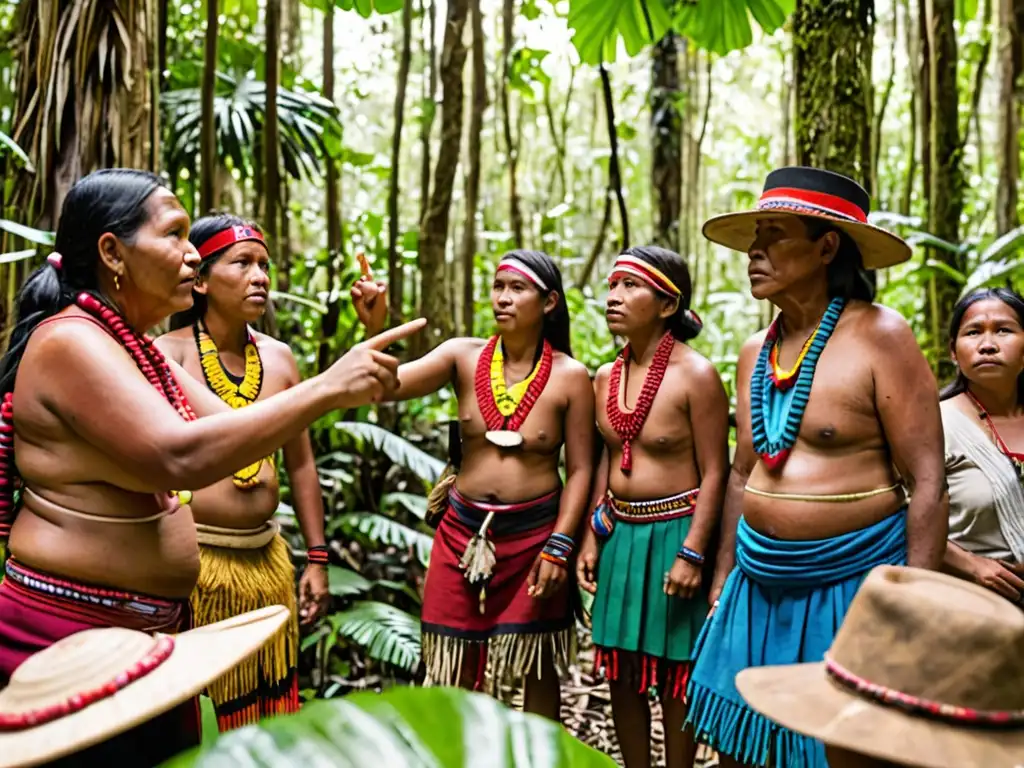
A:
(117, 283)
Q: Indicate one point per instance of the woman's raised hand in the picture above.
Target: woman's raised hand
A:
(366, 374)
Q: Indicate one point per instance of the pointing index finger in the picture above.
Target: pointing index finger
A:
(385, 339)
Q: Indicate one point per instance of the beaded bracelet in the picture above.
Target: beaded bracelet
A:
(317, 555)
(690, 555)
(558, 549)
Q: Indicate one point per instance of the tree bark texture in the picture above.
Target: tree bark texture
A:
(434, 303)
(208, 126)
(1011, 15)
(80, 105)
(666, 140)
(271, 134)
(329, 320)
(476, 124)
(832, 45)
(946, 183)
(614, 171)
(396, 273)
(511, 145)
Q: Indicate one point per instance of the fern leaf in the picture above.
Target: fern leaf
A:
(387, 633)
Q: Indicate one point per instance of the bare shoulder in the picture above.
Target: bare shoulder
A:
(572, 369)
(694, 365)
(270, 347)
(752, 346)
(884, 329)
(175, 343)
(603, 373)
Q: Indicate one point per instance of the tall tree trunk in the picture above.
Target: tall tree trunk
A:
(208, 126)
(946, 183)
(271, 134)
(429, 102)
(161, 42)
(913, 55)
(832, 44)
(614, 171)
(329, 320)
(396, 273)
(476, 124)
(924, 103)
(434, 227)
(876, 131)
(1008, 154)
(666, 140)
(511, 146)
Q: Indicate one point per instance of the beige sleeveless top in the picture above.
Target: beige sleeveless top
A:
(986, 501)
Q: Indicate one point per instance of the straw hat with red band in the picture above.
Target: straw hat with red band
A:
(818, 194)
(99, 683)
(926, 670)
(227, 238)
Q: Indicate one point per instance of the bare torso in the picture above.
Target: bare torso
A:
(223, 504)
(158, 557)
(511, 475)
(840, 448)
(664, 453)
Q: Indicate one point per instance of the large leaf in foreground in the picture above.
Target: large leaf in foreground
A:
(598, 24)
(721, 26)
(402, 728)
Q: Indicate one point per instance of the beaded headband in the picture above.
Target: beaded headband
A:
(914, 705)
(651, 275)
(230, 236)
(512, 264)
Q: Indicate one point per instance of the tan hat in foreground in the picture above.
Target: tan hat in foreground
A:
(131, 677)
(926, 670)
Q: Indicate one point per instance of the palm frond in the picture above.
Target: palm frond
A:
(384, 530)
(396, 448)
(345, 582)
(410, 501)
(387, 633)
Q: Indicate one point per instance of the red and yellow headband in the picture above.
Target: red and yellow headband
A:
(228, 237)
(512, 264)
(654, 277)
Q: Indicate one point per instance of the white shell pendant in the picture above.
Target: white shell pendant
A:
(505, 438)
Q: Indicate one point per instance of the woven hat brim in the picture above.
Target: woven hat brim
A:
(878, 247)
(200, 656)
(800, 697)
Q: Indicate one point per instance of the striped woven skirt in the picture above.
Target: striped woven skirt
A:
(500, 626)
(641, 633)
(38, 609)
(234, 580)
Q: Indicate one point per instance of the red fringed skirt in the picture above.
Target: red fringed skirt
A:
(466, 629)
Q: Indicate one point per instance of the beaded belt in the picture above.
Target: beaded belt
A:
(656, 510)
(56, 588)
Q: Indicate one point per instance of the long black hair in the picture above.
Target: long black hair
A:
(556, 322)
(202, 230)
(112, 200)
(1010, 298)
(683, 323)
(846, 275)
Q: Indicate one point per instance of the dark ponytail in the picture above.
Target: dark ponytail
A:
(684, 324)
(556, 322)
(202, 230)
(112, 200)
(1013, 300)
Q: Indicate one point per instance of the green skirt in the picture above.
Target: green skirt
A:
(632, 613)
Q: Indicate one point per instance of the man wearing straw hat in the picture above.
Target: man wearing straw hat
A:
(117, 696)
(837, 420)
(925, 671)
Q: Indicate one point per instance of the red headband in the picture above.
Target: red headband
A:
(230, 236)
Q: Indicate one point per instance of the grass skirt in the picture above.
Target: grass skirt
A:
(782, 604)
(632, 613)
(234, 581)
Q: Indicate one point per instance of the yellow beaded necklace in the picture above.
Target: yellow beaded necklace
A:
(508, 398)
(237, 395)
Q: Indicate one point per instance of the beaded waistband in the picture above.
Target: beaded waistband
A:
(654, 510)
(53, 587)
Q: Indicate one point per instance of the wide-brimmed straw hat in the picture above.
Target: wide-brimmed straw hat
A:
(926, 670)
(99, 683)
(820, 194)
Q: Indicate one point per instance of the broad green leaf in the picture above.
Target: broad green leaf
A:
(367, 8)
(410, 501)
(599, 24)
(384, 530)
(966, 10)
(401, 728)
(1000, 246)
(345, 582)
(7, 258)
(18, 152)
(721, 26)
(991, 272)
(396, 448)
(33, 235)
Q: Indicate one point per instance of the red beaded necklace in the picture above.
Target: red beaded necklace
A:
(147, 358)
(1017, 459)
(485, 395)
(628, 425)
